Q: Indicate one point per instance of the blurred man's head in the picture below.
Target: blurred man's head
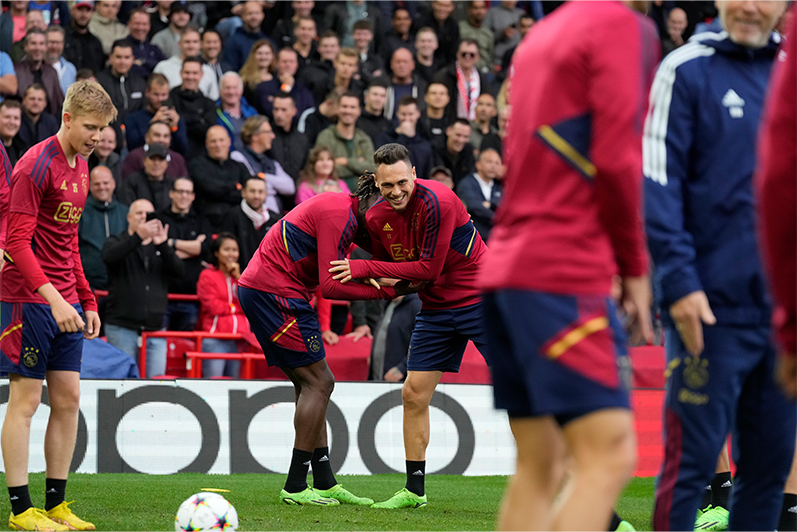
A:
(81, 14)
(121, 58)
(55, 43)
(477, 10)
(441, 9)
(231, 88)
(676, 21)
(182, 195)
(284, 110)
(457, 135)
(488, 165)
(107, 144)
(34, 20)
(254, 193)
(179, 16)
(137, 214)
(108, 8)
(35, 100)
(211, 44)
(10, 119)
(157, 91)
(363, 34)
(303, 8)
(402, 22)
(139, 25)
(156, 160)
(191, 74)
(159, 132)
(102, 183)
(525, 24)
(437, 96)
(35, 45)
(257, 133)
(287, 61)
(485, 108)
(468, 53)
(407, 110)
(252, 16)
(376, 97)
(346, 62)
(217, 142)
(305, 31)
(190, 42)
(441, 174)
(402, 65)
(750, 23)
(426, 42)
(328, 45)
(348, 109)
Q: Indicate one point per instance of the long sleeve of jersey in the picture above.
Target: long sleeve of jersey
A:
(776, 185)
(18, 247)
(84, 293)
(666, 151)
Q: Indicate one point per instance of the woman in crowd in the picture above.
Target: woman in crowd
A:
(319, 176)
(219, 309)
(259, 67)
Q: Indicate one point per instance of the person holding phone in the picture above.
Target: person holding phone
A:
(159, 108)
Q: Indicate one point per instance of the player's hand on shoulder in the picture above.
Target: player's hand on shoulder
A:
(689, 314)
(92, 329)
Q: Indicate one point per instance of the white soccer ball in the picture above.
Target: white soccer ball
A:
(206, 511)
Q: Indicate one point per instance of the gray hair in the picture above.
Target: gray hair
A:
(233, 75)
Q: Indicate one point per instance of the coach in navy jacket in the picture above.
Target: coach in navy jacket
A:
(699, 157)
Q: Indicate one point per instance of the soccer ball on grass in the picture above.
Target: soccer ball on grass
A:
(206, 511)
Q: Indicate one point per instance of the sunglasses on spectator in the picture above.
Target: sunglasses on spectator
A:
(469, 55)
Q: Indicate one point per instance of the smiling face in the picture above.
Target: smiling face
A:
(191, 73)
(264, 56)
(10, 120)
(228, 252)
(328, 48)
(55, 45)
(107, 143)
(102, 184)
(231, 89)
(139, 26)
(160, 133)
(254, 193)
(324, 165)
(348, 110)
(182, 195)
(305, 32)
(401, 21)
(36, 46)
(190, 44)
(426, 43)
(122, 59)
(211, 45)
(396, 183)
(749, 23)
(458, 135)
(35, 101)
(217, 141)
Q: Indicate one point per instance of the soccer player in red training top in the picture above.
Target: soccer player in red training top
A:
(423, 227)
(5, 182)
(275, 292)
(571, 220)
(46, 307)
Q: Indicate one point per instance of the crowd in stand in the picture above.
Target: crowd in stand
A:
(231, 113)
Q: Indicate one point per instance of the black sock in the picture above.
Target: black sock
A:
(297, 473)
(788, 513)
(55, 491)
(20, 499)
(416, 472)
(615, 522)
(721, 488)
(323, 477)
(706, 497)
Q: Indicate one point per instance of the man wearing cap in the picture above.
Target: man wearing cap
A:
(152, 183)
(161, 133)
(167, 39)
(81, 47)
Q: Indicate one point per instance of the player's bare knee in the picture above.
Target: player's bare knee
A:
(414, 397)
(66, 402)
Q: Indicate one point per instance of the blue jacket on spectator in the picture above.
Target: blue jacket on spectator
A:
(237, 48)
(226, 121)
(137, 123)
(470, 192)
(150, 54)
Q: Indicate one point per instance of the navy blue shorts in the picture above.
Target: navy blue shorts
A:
(440, 337)
(557, 355)
(287, 329)
(32, 344)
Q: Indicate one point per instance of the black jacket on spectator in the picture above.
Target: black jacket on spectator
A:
(314, 124)
(187, 227)
(290, 150)
(393, 42)
(31, 133)
(83, 50)
(137, 293)
(199, 114)
(427, 73)
(319, 78)
(99, 221)
(336, 16)
(249, 238)
(373, 125)
(218, 187)
(126, 92)
(421, 151)
(448, 77)
(460, 165)
(434, 129)
(15, 151)
(447, 36)
(114, 164)
(138, 186)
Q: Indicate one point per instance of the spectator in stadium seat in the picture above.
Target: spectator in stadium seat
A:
(443, 175)
(34, 20)
(34, 68)
(138, 261)
(352, 148)
(198, 111)
(102, 217)
(168, 38)
(371, 64)
(257, 136)
(233, 109)
(146, 54)
(159, 18)
(427, 64)
(400, 36)
(158, 132)
(283, 33)
(495, 140)
(388, 360)
(12, 24)
(8, 76)
(305, 44)
(524, 25)
(218, 180)
(211, 53)
(104, 155)
(158, 109)
(81, 47)
(10, 121)
(55, 48)
(284, 80)
(258, 68)
(190, 236)
(677, 23)
(289, 147)
(219, 310)
(319, 176)
(481, 192)
(463, 104)
(190, 46)
(482, 125)
(445, 27)
(152, 183)
(372, 119)
(315, 120)
(238, 46)
(125, 89)
(503, 19)
(457, 153)
(105, 26)
(404, 82)
(37, 123)
(55, 12)
(319, 76)
(474, 28)
(407, 135)
(434, 121)
(250, 220)
(341, 17)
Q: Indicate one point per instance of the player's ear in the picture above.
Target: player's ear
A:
(67, 119)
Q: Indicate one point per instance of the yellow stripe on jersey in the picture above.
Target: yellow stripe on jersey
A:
(9, 331)
(470, 244)
(291, 324)
(285, 237)
(576, 335)
(567, 151)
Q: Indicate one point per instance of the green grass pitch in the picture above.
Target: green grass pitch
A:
(149, 502)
